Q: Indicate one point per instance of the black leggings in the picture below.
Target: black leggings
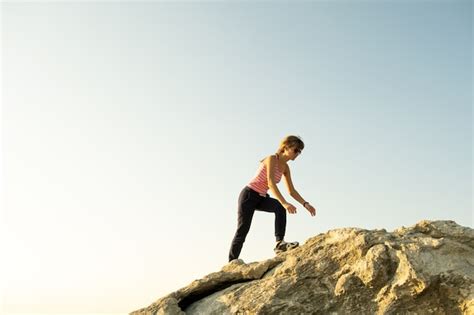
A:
(249, 201)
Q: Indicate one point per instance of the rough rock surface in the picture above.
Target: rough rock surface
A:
(427, 268)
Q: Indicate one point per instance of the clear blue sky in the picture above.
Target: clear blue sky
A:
(129, 130)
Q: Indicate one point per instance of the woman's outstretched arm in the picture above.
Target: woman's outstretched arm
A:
(293, 193)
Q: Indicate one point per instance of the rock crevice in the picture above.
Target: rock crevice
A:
(196, 296)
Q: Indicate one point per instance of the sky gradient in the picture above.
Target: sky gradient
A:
(129, 130)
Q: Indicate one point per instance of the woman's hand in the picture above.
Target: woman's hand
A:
(289, 207)
(311, 209)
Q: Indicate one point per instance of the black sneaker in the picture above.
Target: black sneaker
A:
(283, 246)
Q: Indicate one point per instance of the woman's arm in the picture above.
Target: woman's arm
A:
(289, 185)
(295, 194)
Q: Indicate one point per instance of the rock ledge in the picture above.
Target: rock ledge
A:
(427, 268)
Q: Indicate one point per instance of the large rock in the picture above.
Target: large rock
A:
(424, 269)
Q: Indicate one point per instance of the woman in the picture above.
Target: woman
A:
(254, 196)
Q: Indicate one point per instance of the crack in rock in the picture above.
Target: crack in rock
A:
(197, 296)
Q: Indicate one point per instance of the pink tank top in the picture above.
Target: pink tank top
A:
(260, 183)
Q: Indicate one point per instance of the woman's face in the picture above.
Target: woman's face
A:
(293, 152)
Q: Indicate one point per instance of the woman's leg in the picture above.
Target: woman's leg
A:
(246, 210)
(269, 204)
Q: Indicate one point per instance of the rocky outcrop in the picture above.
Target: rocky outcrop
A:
(427, 268)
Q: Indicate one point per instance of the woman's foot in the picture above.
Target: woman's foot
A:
(283, 246)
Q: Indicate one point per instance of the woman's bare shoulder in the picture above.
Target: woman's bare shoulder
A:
(268, 158)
